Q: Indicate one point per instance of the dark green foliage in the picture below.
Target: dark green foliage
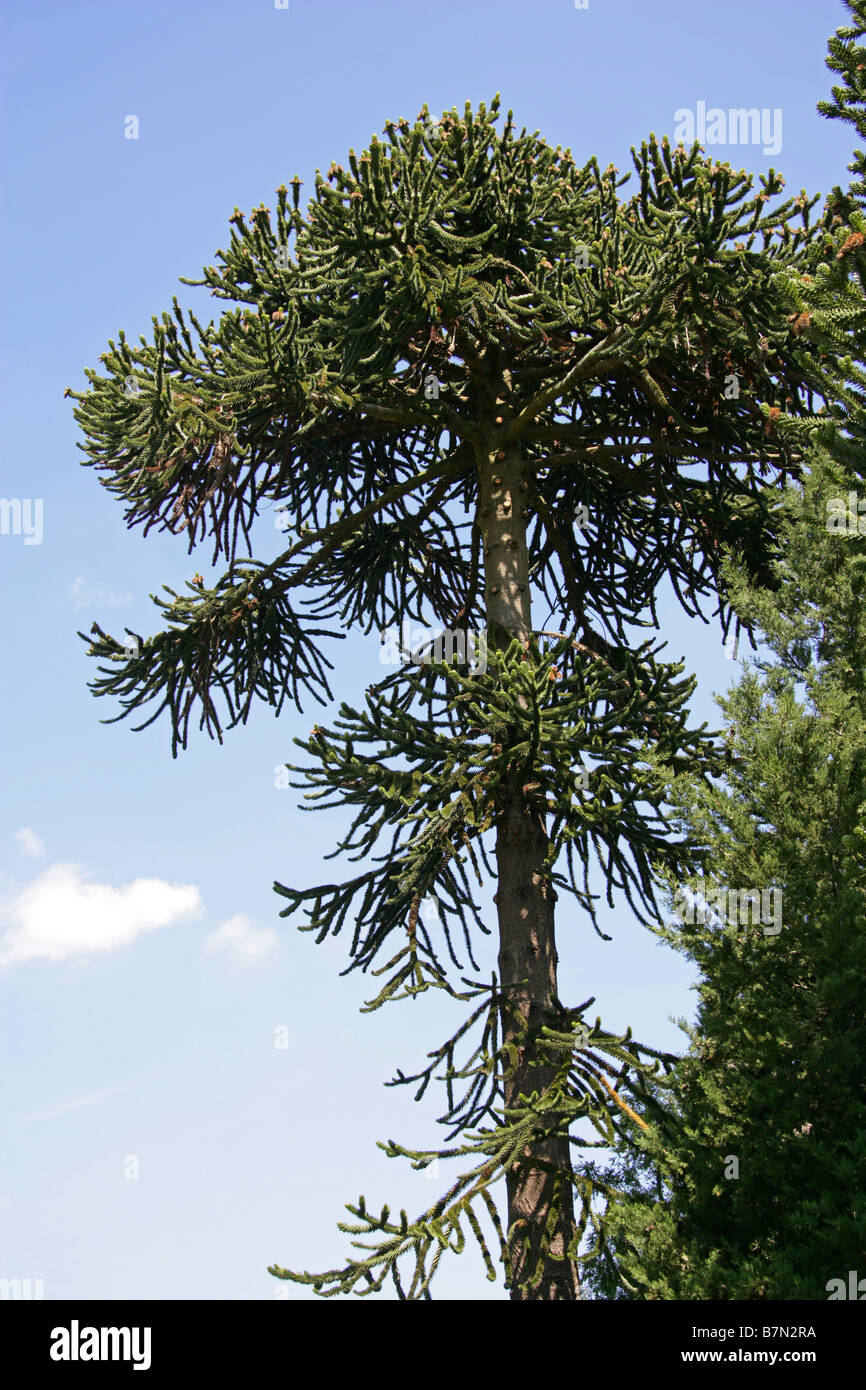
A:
(775, 1072)
(448, 247)
(592, 338)
(529, 719)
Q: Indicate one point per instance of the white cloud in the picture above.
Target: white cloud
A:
(243, 941)
(30, 843)
(59, 915)
(90, 595)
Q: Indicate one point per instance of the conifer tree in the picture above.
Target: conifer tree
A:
(754, 1184)
(774, 1075)
(480, 387)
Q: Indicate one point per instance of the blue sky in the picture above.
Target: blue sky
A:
(143, 966)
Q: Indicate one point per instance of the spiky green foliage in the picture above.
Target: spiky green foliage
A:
(584, 1058)
(640, 359)
(774, 1075)
(432, 254)
(433, 783)
(847, 57)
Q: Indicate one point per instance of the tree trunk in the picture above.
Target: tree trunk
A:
(525, 905)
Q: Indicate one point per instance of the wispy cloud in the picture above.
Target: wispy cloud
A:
(30, 843)
(76, 1103)
(59, 915)
(97, 595)
(241, 940)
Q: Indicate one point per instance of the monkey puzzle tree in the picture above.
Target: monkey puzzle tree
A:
(471, 377)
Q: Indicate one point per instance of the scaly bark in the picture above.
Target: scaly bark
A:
(525, 905)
